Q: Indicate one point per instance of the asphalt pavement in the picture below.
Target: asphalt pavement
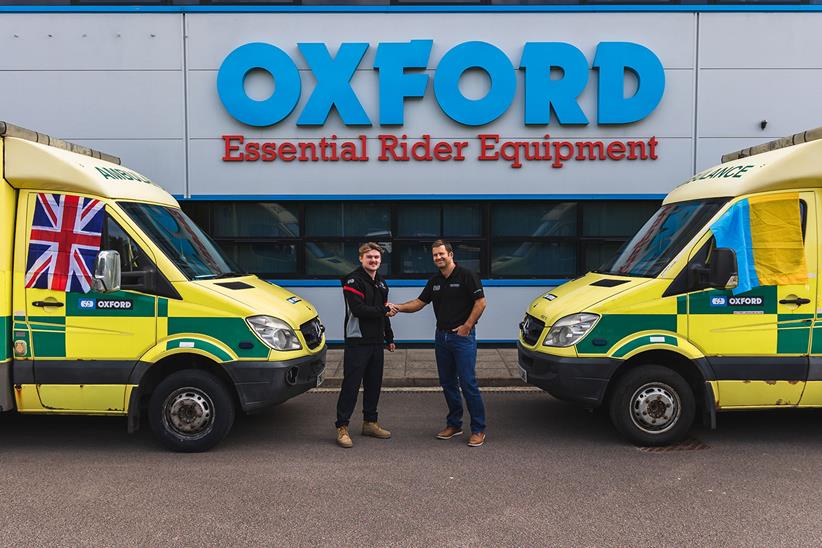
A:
(550, 474)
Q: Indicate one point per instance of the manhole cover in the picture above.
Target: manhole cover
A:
(688, 444)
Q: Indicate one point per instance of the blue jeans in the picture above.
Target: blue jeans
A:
(456, 365)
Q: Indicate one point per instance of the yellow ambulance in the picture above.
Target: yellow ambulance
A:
(712, 306)
(115, 303)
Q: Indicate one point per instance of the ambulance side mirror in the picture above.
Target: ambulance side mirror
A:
(107, 272)
(723, 269)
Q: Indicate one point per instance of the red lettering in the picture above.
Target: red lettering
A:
(269, 152)
(442, 151)
(287, 151)
(421, 150)
(632, 150)
(595, 149)
(616, 150)
(460, 146)
(652, 142)
(509, 151)
(252, 151)
(559, 155)
(486, 146)
(304, 148)
(388, 145)
(229, 148)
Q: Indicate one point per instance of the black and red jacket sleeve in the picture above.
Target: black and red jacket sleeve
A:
(355, 297)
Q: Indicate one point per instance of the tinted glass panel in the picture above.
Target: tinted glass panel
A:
(534, 258)
(537, 220)
(249, 219)
(263, 258)
(415, 258)
(132, 258)
(598, 253)
(368, 221)
(615, 218)
(419, 221)
(337, 259)
(462, 220)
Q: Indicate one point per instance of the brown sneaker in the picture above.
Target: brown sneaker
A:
(449, 432)
(476, 439)
(374, 430)
(343, 439)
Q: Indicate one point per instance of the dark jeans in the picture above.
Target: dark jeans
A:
(361, 365)
(456, 364)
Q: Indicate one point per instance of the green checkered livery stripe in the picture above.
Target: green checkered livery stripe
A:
(612, 328)
(229, 331)
(700, 303)
(5, 332)
(142, 306)
(162, 307)
(644, 341)
(205, 346)
(682, 304)
(48, 336)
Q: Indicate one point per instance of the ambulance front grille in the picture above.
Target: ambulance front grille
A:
(312, 332)
(531, 329)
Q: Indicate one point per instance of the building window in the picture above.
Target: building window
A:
(506, 239)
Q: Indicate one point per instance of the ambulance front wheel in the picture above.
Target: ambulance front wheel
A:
(652, 405)
(191, 411)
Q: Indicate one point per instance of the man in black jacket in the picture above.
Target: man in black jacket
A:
(367, 331)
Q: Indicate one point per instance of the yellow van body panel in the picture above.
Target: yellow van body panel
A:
(111, 347)
(738, 350)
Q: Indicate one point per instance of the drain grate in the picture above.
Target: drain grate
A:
(688, 444)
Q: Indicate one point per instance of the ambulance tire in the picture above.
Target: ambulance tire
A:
(191, 411)
(652, 405)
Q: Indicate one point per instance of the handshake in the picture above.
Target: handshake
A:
(393, 309)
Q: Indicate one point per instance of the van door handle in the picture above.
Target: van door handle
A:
(47, 303)
(797, 301)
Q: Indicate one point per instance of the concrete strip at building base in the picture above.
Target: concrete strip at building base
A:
(417, 367)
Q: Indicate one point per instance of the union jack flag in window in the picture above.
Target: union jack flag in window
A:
(64, 242)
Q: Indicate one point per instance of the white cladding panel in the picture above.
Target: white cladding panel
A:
(91, 41)
(211, 37)
(760, 40)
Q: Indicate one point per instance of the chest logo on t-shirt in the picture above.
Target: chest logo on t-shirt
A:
(453, 285)
(436, 288)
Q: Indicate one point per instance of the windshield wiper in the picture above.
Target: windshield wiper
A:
(229, 275)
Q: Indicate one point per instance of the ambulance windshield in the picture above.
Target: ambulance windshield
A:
(662, 238)
(182, 241)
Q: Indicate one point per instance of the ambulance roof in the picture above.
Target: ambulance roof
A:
(791, 167)
(33, 165)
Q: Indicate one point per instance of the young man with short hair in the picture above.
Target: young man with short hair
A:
(459, 301)
(367, 331)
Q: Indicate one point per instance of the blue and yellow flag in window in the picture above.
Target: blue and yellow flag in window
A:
(765, 232)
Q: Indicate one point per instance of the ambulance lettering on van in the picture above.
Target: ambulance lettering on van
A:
(664, 332)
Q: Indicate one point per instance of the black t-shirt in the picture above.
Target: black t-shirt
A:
(453, 297)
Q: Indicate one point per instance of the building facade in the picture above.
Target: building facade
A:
(537, 138)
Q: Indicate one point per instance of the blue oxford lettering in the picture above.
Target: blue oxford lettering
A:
(401, 75)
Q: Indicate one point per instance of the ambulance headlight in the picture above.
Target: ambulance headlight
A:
(569, 330)
(274, 332)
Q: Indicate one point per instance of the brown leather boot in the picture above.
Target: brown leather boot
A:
(374, 430)
(343, 439)
(476, 439)
(449, 432)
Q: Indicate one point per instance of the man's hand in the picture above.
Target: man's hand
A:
(392, 310)
(463, 331)
(391, 347)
